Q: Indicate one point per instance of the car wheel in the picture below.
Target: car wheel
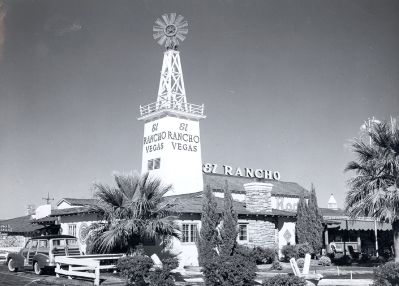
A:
(37, 269)
(11, 266)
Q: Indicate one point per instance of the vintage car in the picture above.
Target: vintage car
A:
(39, 252)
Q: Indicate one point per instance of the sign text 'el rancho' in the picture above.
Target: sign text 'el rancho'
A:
(242, 172)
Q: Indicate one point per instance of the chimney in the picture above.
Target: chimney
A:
(258, 197)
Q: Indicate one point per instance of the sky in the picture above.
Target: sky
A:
(286, 85)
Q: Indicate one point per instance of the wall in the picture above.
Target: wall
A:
(284, 203)
(82, 222)
(286, 229)
(181, 163)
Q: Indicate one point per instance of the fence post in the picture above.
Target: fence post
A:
(57, 268)
(97, 274)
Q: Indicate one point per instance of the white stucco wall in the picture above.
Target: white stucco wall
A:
(285, 226)
(284, 203)
(180, 163)
(83, 220)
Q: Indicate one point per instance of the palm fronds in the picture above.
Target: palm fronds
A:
(374, 190)
(133, 210)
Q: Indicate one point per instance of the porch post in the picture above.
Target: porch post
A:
(326, 238)
(359, 242)
(376, 237)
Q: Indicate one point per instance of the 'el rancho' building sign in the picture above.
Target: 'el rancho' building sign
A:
(245, 172)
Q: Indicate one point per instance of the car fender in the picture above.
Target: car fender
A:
(41, 259)
(17, 258)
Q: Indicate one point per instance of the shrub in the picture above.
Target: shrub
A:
(163, 276)
(387, 274)
(343, 260)
(289, 251)
(300, 262)
(304, 248)
(134, 268)
(284, 280)
(276, 266)
(237, 269)
(325, 261)
(263, 255)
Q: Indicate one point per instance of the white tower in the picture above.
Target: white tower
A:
(332, 203)
(171, 144)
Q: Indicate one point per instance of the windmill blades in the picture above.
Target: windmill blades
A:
(179, 19)
(160, 23)
(158, 35)
(183, 31)
(180, 37)
(166, 19)
(162, 40)
(182, 25)
(172, 18)
(157, 29)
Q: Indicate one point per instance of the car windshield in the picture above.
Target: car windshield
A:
(64, 242)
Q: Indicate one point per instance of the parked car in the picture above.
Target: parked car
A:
(39, 252)
(3, 256)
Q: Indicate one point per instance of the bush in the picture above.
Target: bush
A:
(387, 274)
(263, 255)
(163, 276)
(237, 269)
(135, 268)
(289, 251)
(300, 262)
(343, 260)
(325, 261)
(304, 248)
(276, 266)
(284, 280)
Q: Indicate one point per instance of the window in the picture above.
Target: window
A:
(243, 232)
(190, 232)
(72, 229)
(154, 164)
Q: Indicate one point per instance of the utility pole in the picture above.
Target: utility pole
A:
(48, 199)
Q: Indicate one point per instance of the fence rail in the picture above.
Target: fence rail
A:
(174, 105)
(79, 265)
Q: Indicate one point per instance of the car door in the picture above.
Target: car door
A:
(25, 252)
(32, 251)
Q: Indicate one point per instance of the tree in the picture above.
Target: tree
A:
(374, 190)
(229, 229)
(235, 266)
(302, 221)
(133, 210)
(208, 238)
(315, 225)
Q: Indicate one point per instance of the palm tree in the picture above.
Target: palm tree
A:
(374, 190)
(133, 210)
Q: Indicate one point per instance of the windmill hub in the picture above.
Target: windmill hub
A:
(170, 30)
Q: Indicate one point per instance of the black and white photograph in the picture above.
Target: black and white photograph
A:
(199, 143)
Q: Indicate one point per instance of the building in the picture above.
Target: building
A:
(172, 151)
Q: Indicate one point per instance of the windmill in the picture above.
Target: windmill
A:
(169, 31)
(175, 155)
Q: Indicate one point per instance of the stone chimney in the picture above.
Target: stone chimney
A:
(258, 197)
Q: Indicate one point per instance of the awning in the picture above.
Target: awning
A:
(357, 225)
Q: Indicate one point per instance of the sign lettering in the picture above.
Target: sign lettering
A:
(242, 172)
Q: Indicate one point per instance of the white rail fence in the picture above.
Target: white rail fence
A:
(86, 266)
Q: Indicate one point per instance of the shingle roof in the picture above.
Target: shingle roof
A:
(71, 211)
(235, 183)
(192, 203)
(78, 202)
(21, 225)
(332, 212)
(186, 203)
